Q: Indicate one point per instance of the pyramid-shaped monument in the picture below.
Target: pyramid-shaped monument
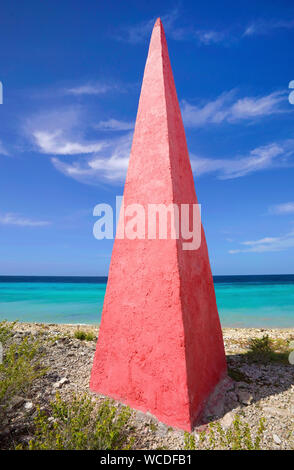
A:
(160, 347)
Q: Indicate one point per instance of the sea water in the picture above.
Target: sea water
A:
(243, 301)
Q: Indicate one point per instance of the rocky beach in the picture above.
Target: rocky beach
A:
(260, 390)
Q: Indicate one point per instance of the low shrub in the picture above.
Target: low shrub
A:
(266, 349)
(83, 335)
(80, 425)
(237, 437)
(20, 366)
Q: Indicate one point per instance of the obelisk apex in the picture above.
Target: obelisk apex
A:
(160, 346)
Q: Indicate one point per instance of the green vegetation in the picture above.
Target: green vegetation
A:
(5, 331)
(266, 349)
(83, 335)
(153, 427)
(79, 424)
(189, 441)
(20, 366)
(237, 437)
(238, 376)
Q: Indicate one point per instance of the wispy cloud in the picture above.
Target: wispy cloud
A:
(226, 108)
(208, 37)
(138, 33)
(261, 158)
(61, 132)
(237, 33)
(262, 27)
(3, 150)
(56, 143)
(111, 165)
(89, 89)
(282, 209)
(15, 219)
(265, 244)
(115, 125)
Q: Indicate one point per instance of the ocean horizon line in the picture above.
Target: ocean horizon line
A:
(104, 279)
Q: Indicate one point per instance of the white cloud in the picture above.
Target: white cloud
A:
(115, 125)
(247, 107)
(261, 158)
(61, 132)
(282, 209)
(111, 166)
(3, 150)
(266, 244)
(64, 119)
(56, 143)
(15, 219)
(262, 27)
(112, 163)
(225, 109)
(88, 89)
(140, 32)
(208, 37)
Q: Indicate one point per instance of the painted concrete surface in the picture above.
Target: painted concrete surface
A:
(160, 346)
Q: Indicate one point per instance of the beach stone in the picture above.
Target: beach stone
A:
(61, 382)
(276, 439)
(227, 420)
(29, 405)
(245, 397)
(242, 385)
(16, 401)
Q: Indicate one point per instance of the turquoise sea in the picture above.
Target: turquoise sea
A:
(243, 301)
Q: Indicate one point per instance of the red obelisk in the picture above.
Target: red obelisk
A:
(160, 347)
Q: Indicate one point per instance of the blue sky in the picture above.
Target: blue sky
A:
(71, 74)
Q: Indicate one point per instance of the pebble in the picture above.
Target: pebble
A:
(276, 439)
(29, 406)
(16, 401)
(227, 420)
(61, 382)
(245, 397)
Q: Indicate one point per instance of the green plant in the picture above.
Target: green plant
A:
(266, 349)
(237, 375)
(19, 369)
(189, 441)
(83, 335)
(153, 427)
(237, 437)
(79, 425)
(5, 331)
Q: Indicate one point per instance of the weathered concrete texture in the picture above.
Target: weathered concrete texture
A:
(160, 346)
